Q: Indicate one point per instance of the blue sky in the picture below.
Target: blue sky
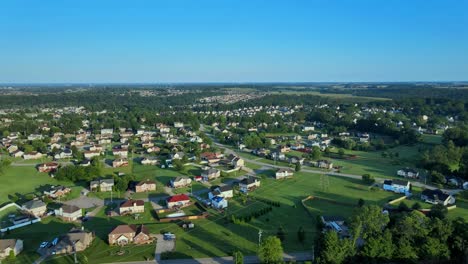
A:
(233, 41)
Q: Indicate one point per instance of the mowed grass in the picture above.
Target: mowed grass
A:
(24, 180)
(32, 236)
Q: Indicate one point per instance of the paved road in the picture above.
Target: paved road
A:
(228, 150)
(163, 246)
(299, 256)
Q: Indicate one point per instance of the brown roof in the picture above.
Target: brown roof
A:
(143, 229)
(147, 182)
(66, 208)
(7, 243)
(123, 229)
(130, 203)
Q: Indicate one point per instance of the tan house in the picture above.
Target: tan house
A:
(119, 163)
(32, 155)
(10, 245)
(127, 234)
(210, 174)
(123, 153)
(75, 239)
(92, 153)
(35, 207)
(132, 207)
(145, 186)
(48, 167)
(180, 182)
(150, 161)
(69, 213)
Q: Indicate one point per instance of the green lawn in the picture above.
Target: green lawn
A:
(32, 236)
(24, 180)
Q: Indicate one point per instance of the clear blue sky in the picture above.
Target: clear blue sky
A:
(233, 41)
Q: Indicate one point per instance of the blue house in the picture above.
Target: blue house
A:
(397, 186)
(219, 202)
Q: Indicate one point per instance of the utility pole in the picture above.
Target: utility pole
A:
(259, 237)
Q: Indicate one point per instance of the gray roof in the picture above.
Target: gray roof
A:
(33, 204)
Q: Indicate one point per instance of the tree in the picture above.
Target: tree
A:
(438, 211)
(4, 163)
(361, 202)
(379, 248)
(298, 167)
(280, 234)
(238, 257)
(371, 219)
(301, 235)
(178, 166)
(416, 206)
(368, 179)
(334, 250)
(270, 250)
(341, 152)
(403, 207)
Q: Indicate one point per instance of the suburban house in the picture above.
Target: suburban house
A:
(180, 182)
(437, 196)
(10, 245)
(210, 174)
(69, 213)
(57, 191)
(324, 164)
(75, 240)
(17, 154)
(48, 167)
(277, 156)
(32, 155)
(283, 149)
(119, 163)
(295, 160)
(98, 148)
(249, 184)
(221, 191)
(210, 157)
(145, 186)
(150, 161)
(127, 234)
(177, 156)
(147, 144)
(235, 161)
(35, 207)
(132, 207)
(85, 163)
(283, 173)
(123, 153)
(179, 200)
(153, 149)
(65, 154)
(219, 202)
(408, 173)
(397, 186)
(104, 185)
(92, 153)
(178, 124)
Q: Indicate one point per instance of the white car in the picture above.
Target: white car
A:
(43, 244)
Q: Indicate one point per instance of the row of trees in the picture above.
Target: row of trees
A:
(376, 237)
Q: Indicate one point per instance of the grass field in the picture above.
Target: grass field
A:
(24, 180)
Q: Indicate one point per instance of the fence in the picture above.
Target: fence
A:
(18, 225)
(397, 200)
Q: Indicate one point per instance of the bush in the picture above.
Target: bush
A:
(368, 179)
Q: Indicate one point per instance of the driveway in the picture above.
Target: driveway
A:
(86, 202)
(163, 246)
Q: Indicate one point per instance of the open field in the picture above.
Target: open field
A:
(24, 180)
